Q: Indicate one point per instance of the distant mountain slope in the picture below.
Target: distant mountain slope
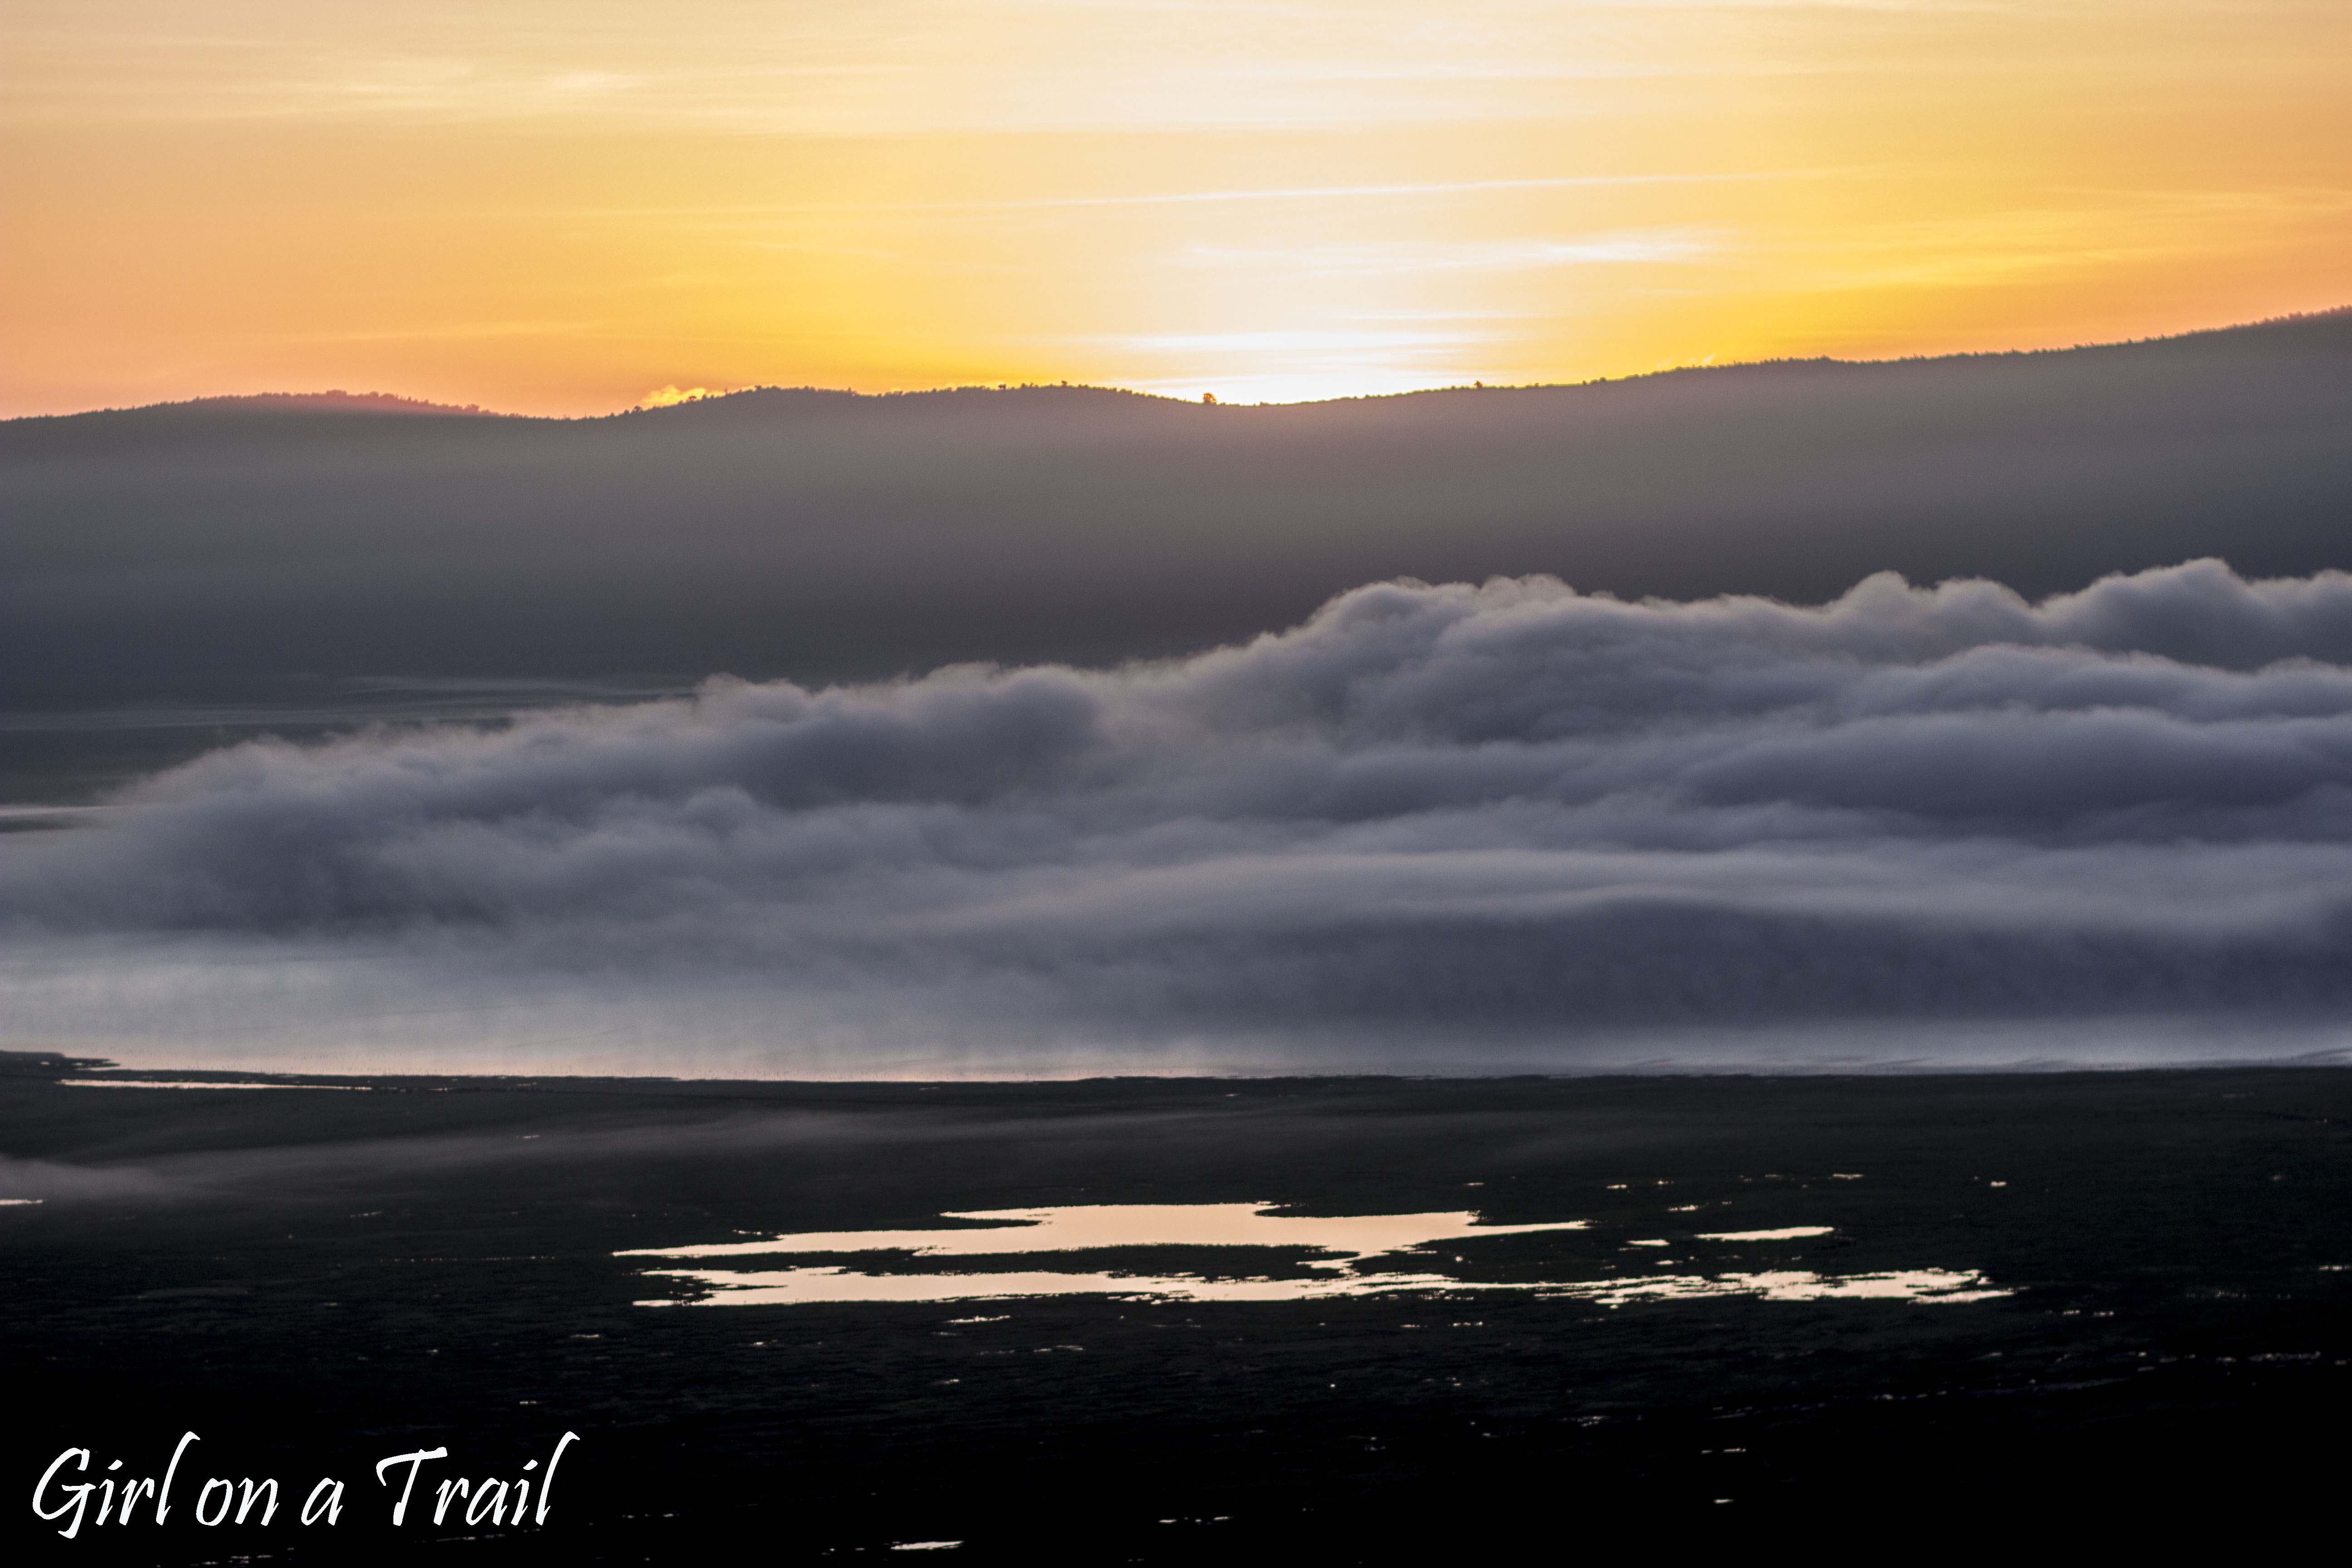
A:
(195, 547)
(234, 406)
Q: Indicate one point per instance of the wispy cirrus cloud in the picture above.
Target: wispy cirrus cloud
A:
(1517, 254)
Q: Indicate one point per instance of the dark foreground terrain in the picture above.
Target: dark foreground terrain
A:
(314, 1280)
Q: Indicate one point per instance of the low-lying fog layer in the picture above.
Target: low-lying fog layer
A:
(177, 1083)
(1434, 828)
(1335, 1247)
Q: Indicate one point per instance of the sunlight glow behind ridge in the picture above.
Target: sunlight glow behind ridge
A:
(555, 207)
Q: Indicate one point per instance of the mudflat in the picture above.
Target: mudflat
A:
(1603, 1308)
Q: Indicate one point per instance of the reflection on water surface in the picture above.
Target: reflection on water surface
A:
(1786, 1233)
(1335, 1246)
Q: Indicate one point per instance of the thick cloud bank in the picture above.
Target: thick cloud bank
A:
(1434, 828)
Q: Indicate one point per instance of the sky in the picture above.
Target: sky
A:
(568, 206)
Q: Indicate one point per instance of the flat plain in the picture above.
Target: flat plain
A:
(313, 1279)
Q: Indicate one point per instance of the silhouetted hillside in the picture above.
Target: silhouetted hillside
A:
(190, 548)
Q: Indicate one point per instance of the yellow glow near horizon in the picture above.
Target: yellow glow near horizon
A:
(575, 205)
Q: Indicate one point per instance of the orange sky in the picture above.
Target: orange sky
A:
(562, 206)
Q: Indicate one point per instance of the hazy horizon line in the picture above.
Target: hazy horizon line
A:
(403, 403)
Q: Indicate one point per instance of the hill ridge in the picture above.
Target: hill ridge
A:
(338, 401)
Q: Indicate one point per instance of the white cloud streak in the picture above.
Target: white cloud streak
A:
(1382, 258)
